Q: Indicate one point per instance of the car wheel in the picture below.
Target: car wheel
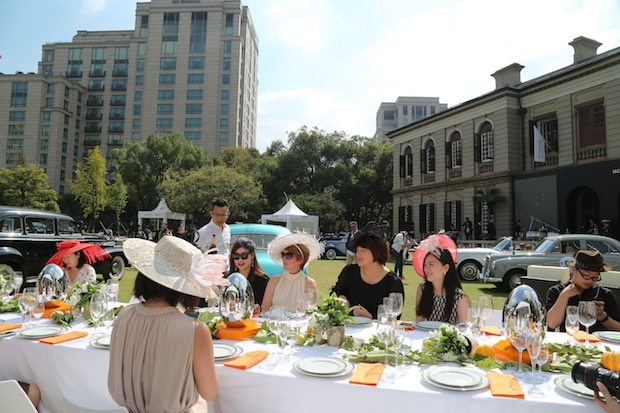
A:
(331, 254)
(117, 268)
(513, 279)
(469, 270)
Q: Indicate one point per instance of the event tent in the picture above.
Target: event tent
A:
(161, 213)
(295, 218)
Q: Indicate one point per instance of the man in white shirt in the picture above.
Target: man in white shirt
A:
(218, 227)
(399, 243)
(354, 232)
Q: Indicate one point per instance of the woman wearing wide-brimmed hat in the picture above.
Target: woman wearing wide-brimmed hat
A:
(161, 360)
(293, 251)
(75, 258)
(586, 269)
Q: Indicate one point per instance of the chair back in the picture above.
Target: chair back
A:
(70, 407)
(12, 395)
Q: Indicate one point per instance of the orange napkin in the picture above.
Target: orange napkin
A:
(582, 335)
(367, 373)
(504, 351)
(491, 331)
(62, 306)
(505, 385)
(63, 337)
(249, 329)
(249, 359)
(9, 327)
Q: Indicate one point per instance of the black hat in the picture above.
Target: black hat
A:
(589, 260)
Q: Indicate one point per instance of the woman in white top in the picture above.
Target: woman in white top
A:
(293, 251)
(75, 257)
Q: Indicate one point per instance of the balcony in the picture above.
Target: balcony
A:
(96, 73)
(119, 73)
(92, 129)
(592, 152)
(117, 116)
(115, 143)
(456, 173)
(99, 88)
(115, 129)
(550, 160)
(93, 101)
(92, 141)
(94, 116)
(117, 102)
(428, 178)
(485, 167)
(73, 73)
(119, 86)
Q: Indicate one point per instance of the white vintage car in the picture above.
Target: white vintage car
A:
(471, 260)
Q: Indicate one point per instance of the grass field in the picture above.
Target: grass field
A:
(326, 272)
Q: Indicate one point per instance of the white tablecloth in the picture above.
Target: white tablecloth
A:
(77, 371)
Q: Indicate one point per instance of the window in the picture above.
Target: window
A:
(454, 151)
(75, 54)
(228, 26)
(388, 115)
(144, 26)
(51, 88)
(139, 80)
(195, 78)
(45, 143)
(227, 47)
(47, 116)
(226, 63)
(140, 65)
(226, 79)
(49, 102)
(427, 218)
(165, 95)
(17, 116)
(452, 215)
(428, 157)
(196, 63)
(193, 108)
(96, 85)
(164, 123)
(14, 143)
(137, 124)
(223, 137)
(198, 32)
(19, 94)
(171, 27)
(116, 126)
(165, 109)
(141, 49)
(48, 55)
(194, 94)
(224, 109)
(548, 128)
(117, 100)
(168, 47)
(168, 63)
(42, 158)
(120, 68)
(16, 129)
(98, 53)
(223, 123)
(48, 70)
(432, 110)
(137, 96)
(97, 70)
(12, 158)
(137, 110)
(486, 142)
(405, 107)
(406, 163)
(117, 113)
(193, 122)
(420, 112)
(168, 79)
(193, 135)
(591, 121)
(225, 95)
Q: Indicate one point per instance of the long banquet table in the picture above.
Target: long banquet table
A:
(78, 372)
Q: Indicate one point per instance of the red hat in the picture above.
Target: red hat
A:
(432, 245)
(91, 252)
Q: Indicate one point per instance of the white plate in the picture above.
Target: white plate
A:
(450, 381)
(321, 365)
(568, 385)
(222, 351)
(360, 321)
(611, 336)
(348, 367)
(101, 342)
(40, 332)
(427, 325)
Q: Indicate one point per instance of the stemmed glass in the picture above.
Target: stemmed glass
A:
(111, 290)
(39, 308)
(27, 302)
(587, 316)
(485, 306)
(385, 333)
(519, 333)
(98, 307)
(18, 280)
(6, 280)
(473, 320)
(571, 322)
(397, 304)
(310, 297)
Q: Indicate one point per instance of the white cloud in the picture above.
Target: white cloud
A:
(92, 6)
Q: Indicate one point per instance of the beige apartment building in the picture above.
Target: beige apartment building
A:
(188, 66)
(544, 151)
(406, 110)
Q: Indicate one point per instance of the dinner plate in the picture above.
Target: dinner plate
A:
(40, 332)
(323, 367)
(101, 342)
(611, 336)
(360, 321)
(223, 351)
(455, 378)
(568, 385)
(427, 325)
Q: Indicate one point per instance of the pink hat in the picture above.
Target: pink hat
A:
(432, 245)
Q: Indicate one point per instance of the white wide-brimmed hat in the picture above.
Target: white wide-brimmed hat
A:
(177, 264)
(277, 245)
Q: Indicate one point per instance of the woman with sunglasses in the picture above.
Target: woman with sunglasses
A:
(243, 260)
(293, 251)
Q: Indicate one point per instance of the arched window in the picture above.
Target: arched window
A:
(428, 157)
(408, 162)
(486, 142)
(454, 151)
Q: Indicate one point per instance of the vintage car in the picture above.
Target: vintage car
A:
(471, 260)
(335, 246)
(506, 269)
(28, 238)
(262, 235)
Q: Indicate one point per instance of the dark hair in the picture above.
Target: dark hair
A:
(146, 288)
(451, 283)
(219, 203)
(299, 250)
(248, 244)
(376, 244)
(81, 260)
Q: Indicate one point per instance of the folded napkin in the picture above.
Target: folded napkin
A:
(249, 359)
(504, 351)
(367, 373)
(249, 329)
(62, 306)
(582, 335)
(63, 337)
(9, 327)
(491, 331)
(505, 385)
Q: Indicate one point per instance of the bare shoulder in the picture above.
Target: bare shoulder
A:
(310, 283)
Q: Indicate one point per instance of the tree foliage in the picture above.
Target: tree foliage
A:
(26, 186)
(90, 187)
(118, 199)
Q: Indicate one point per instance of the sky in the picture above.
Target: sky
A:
(330, 63)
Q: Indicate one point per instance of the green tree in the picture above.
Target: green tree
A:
(118, 199)
(26, 186)
(326, 206)
(90, 187)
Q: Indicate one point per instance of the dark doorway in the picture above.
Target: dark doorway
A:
(582, 205)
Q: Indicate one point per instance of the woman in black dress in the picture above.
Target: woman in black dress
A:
(243, 260)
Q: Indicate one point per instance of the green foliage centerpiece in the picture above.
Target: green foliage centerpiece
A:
(329, 319)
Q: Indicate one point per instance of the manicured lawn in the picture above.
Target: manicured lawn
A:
(326, 272)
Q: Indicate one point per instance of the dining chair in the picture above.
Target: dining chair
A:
(12, 395)
(70, 407)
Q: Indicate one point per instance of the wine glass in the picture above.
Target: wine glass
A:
(39, 308)
(18, 280)
(310, 297)
(98, 307)
(571, 322)
(388, 306)
(519, 333)
(27, 302)
(385, 332)
(397, 303)
(6, 281)
(473, 320)
(534, 349)
(111, 289)
(587, 316)
(485, 306)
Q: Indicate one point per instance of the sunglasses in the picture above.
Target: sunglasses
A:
(288, 255)
(242, 256)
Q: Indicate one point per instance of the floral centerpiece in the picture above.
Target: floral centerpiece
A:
(445, 344)
(328, 320)
(79, 297)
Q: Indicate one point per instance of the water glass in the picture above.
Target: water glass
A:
(473, 320)
(310, 296)
(111, 290)
(27, 302)
(587, 316)
(571, 322)
(385, 334)
(39, 308)
(397, 303)
(98, 307)
(485, 307)
(519, 334)
(534, 349)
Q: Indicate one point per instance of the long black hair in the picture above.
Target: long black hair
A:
(451, 283)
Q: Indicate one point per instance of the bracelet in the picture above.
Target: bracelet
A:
(604, 318)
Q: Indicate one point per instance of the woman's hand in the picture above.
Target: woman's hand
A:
(609, 405)
(361, 312)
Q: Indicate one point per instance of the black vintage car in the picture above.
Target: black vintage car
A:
(28, 238)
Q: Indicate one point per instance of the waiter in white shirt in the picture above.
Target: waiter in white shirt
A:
(216, 232)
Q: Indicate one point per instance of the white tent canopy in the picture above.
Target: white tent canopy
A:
(161, 212)
(295, 218)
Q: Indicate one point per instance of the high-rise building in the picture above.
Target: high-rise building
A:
(188, 66)
(406, 110)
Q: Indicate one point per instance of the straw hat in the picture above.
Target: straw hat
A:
(431, 245)
(91, 252)
(589, 260)
(177, 264)
(277, 245)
